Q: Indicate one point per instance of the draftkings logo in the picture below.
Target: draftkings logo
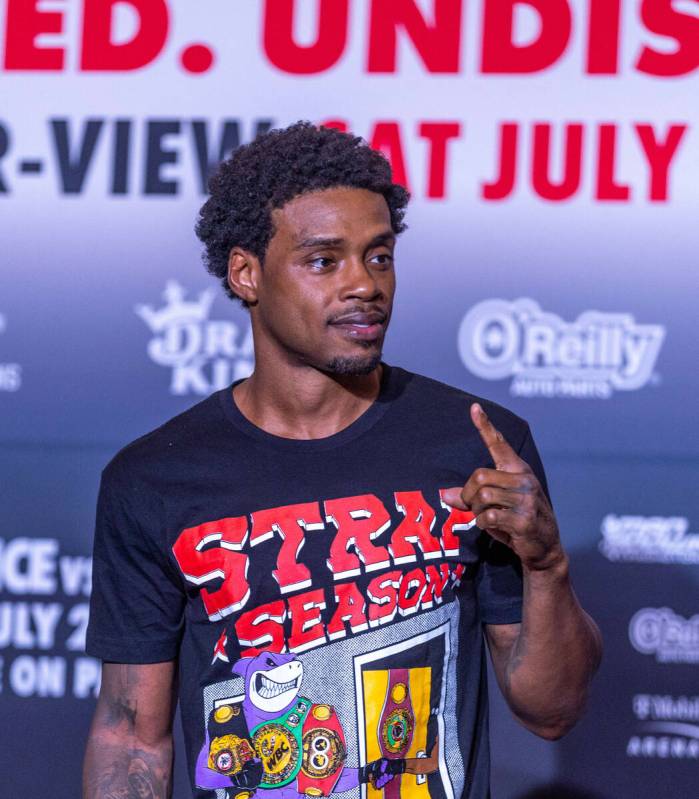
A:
(204, 354)
(649, 539)
(668, 727)
(590, 358)
(665, 634)
(10, 373)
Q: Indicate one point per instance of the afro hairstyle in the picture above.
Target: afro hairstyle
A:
(273, 169)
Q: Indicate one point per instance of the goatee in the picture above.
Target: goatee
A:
(357, 365)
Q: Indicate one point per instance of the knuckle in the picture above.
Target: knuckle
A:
(528, 503)
(528, 518)
(528, 482)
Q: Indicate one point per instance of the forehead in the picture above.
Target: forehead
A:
(333, 213)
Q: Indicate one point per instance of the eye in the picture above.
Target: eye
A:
(384, 259)
(269, 662)
(320, 263)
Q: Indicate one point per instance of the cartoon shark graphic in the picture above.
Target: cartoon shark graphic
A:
(272, 683)
(282, 745)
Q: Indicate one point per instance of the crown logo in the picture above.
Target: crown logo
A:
(177, 310)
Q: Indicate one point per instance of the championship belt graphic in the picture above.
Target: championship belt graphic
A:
(230, 748)
(396, 724)
(397, 710)
(278, 744)
(324, 752)
(397, 719)
(228, 754)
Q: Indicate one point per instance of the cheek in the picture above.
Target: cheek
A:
(387, 287)
(387, 281)
(295, 312)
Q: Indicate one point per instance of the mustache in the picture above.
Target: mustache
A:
(371, 314)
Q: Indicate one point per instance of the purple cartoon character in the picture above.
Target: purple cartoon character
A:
(279, 744)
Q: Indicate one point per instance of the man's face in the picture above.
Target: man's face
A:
(325, 293)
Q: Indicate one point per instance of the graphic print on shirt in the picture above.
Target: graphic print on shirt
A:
(401, 712)
(279, 729)
(339, 683)
(412, 571)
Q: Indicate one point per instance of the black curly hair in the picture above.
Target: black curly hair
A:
(273, 169)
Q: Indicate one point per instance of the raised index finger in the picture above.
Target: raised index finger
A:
(504, 457)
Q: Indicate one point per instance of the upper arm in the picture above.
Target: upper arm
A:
(501, 640)
(137, 700)
(138, 599)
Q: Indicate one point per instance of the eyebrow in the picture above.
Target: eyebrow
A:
(322, 241)
(318, 241)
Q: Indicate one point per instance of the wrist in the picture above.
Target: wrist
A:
(554, 567)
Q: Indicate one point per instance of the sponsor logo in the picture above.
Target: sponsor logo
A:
(665, 634)
(590, 358)
(668, 727)
(204, 354)
(649, 539)
(10, 373)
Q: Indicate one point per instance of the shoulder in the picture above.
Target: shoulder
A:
(431, 398)
(175, 441)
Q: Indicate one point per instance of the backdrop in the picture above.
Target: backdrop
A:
(551, 148)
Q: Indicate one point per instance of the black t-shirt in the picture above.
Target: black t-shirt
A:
(325, 606)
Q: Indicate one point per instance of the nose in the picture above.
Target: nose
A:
(360, 281)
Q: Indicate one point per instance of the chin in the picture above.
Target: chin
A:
(353, 365)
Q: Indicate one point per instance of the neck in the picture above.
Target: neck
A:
(302, 402)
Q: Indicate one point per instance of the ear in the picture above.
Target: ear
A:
(244, 271)
(240, 667)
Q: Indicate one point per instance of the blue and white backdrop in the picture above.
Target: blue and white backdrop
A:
(551, 148)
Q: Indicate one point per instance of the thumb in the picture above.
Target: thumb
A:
(452, 497)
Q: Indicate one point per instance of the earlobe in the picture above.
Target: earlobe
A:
(243, 274)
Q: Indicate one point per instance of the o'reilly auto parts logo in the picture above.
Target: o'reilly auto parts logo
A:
(592, 357)
(665, 634)
(203, 354)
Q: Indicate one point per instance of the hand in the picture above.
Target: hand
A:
(509, 502)
(381, 772)
(250, 776)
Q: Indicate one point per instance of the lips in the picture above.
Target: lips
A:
(362, 325)
(360, 318)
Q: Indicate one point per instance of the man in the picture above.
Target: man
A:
(313, 559)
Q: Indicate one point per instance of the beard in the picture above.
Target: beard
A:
(355, 365)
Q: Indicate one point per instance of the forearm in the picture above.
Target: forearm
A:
(129, 749)
(119, 766)
(555, 655)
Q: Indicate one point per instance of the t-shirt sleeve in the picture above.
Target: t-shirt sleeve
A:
(136, 606)
(499, 579)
